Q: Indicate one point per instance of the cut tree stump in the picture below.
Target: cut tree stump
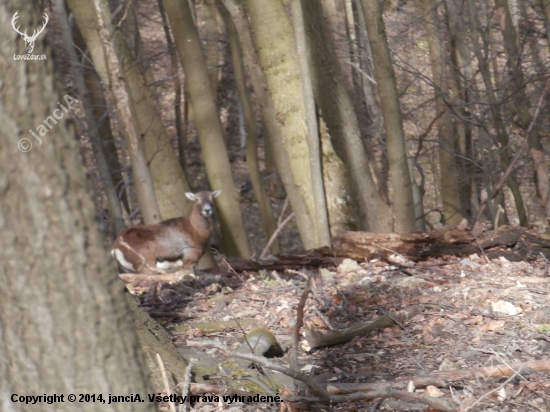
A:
(513, 243)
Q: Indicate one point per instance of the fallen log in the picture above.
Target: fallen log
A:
(318, 340)
(513, 243)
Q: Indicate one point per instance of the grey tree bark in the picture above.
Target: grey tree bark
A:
(209, 127)
(64, 321)
(168, 178)
(251, 129)
(142, 178)
(393, 124)
(339, 115)
(321, 217)
(522, 105)
(117, 223)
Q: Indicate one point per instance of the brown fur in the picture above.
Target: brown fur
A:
(169, 244)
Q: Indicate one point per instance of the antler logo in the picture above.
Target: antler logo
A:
(29, 40)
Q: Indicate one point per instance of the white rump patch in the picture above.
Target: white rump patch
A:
(119, 257)
(170, 265)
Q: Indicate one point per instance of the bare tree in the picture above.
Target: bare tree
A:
(251, 128)
(450, 194)
(393, 124)
(209, 126)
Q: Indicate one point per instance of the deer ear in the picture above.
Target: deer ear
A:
(191, 196)
(216, 193)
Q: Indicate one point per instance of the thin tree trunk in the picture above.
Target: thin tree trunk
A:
(335, 13)
(340, 207)
(117, 224)
(376, 146)
(251, 129)
(211, 42)
(321, 217)
(461, 77)
(545, 5)
(500, 127)
(64, 322)
(209, 127)
(142, 178)
(445, 126)
(178, 109)
(393, 124)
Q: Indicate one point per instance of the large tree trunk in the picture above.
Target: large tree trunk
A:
(337, 111)
(393, 124)
(209, 127)
(251, 129)
(274, 145)
(64, 322)
(445, 126)
(279, 61)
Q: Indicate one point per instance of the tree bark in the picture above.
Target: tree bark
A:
(117, 224)
(315, 158)
(338, 113)
(142, 178)
(461, 79)
(279, 61)
(168, 177)
(209, 127)
(251, 129)
(274, 139)
(211, 42)
(178, 109)
(393, 124)
(65, 325)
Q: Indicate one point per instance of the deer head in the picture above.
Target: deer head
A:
(29, 40)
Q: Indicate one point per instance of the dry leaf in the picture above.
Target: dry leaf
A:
(493, 325)
(433, 391)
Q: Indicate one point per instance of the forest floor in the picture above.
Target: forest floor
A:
(462, 325)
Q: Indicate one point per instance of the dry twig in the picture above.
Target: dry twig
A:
(166, 384)
(319, 391)
(293, 356)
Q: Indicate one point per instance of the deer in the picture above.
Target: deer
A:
(170, 245)
(29, 40)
